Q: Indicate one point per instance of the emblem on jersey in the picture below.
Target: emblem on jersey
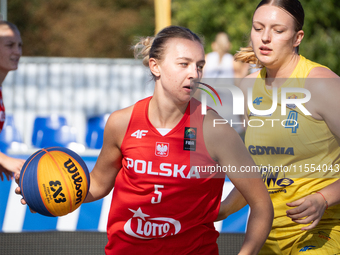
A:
(140, 225)
(139, 133)
(258, 100)
(274, 183)
(190, 134)
(307, 248)
(162, 149)
(292, 106)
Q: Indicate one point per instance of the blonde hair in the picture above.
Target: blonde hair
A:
(142, 49)
(247, 55)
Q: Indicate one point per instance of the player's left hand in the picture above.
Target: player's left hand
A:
(308, 209)
(9, 165)
(5, 174)
(13, 165)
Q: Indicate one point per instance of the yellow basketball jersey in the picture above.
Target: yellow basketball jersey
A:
(298, 155)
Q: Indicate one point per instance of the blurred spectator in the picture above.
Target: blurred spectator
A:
(220, 63)
(220, 71)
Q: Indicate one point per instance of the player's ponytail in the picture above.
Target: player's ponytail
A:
(154, 47)
(142, 49)
(247, 55)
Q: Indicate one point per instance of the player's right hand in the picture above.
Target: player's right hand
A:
(18, 191)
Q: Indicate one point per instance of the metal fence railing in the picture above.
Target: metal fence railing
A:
(76, 88)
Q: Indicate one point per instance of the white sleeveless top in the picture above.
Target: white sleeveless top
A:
(215, 69)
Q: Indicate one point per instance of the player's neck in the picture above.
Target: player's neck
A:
(163, 113)
(284, 70)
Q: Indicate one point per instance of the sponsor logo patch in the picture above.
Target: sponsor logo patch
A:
(190, 134)
(142, 226)
(307, 248)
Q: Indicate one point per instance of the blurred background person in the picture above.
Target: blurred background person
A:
(220, 71)
(220, 63)
(10, 53)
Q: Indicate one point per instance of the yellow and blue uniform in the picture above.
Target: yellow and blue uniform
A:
(298, 156)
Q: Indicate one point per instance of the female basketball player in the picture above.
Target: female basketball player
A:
(299, 152)
(10, 53)
(155, 156)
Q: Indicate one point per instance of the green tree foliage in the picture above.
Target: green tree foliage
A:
(322, 32)
(81, 28)
(208, 17)
(107, 28)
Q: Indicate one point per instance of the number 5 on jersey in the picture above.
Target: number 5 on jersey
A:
(157, 199)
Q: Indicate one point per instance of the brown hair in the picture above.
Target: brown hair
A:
(154, 47)
(293, 7)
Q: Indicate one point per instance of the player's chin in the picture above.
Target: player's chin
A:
(186, 95)
(13, 67)
(188, 98)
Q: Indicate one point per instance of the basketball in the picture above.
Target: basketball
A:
(54, 181)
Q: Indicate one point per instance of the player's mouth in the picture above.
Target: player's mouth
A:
(264, 50)
(188, 88)
(15, 60)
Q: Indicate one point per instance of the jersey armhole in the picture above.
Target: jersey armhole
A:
(128, 127)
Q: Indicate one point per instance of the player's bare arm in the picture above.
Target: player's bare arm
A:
(226, 147)
(110, 158)
(325, 92)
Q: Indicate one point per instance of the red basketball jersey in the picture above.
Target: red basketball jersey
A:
(2, 111)
(161, 203)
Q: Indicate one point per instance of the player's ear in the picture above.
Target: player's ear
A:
(154, 67)
(298, 38)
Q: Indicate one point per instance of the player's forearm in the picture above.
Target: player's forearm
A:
(233, 202)
(99, 188)
(259, 226)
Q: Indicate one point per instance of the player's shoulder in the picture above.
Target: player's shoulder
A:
(254, 74)
(248, 81)
(322, 72)
(118, 121)
(322, 82)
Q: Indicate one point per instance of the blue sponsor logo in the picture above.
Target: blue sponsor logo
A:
(270, 150)
(258, 100)
(270, 177)
(307, 248)
(292, 106)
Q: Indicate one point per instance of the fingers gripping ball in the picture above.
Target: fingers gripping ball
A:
(54, 181)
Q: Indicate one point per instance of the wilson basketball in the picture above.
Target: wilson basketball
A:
(54, 181)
